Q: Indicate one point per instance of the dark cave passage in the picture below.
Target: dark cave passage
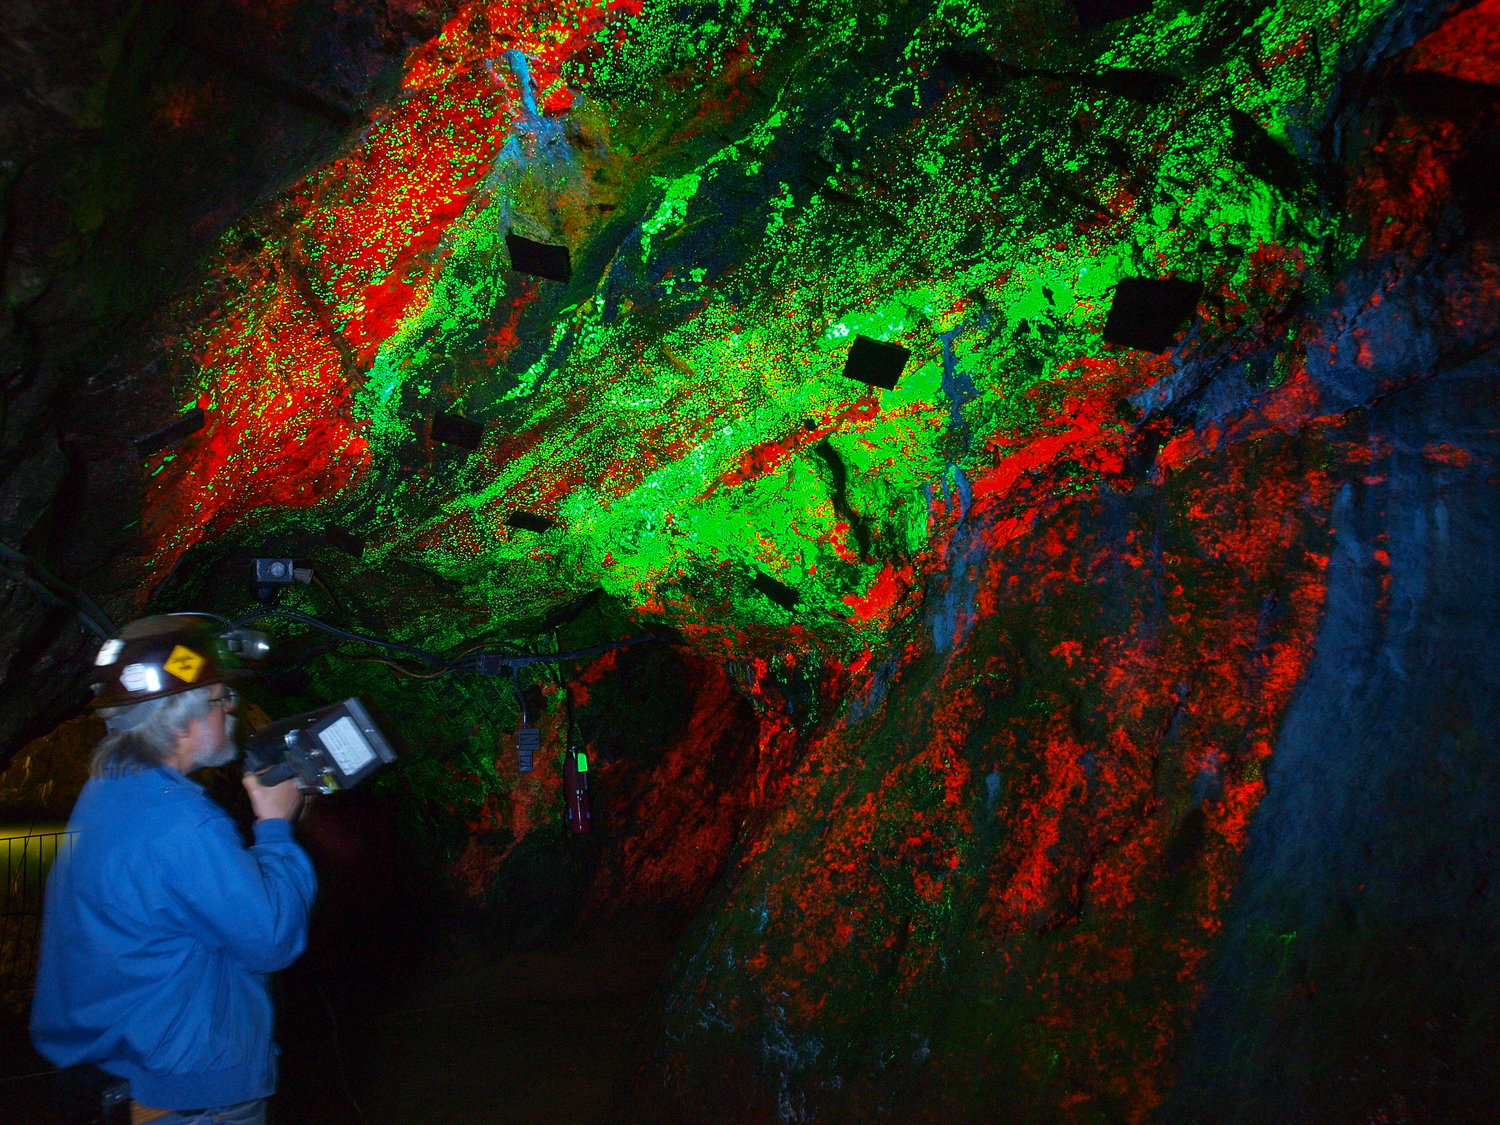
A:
(410, 1008)
(536, 1035)
(407, 1008)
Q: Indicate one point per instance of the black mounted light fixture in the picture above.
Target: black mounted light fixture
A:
(272, 574)
(538, 258)
(456, 430)
(779, 592)
(529, 521)
(1147, 313)
(875, 363)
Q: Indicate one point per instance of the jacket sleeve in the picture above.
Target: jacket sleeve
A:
(254, 902)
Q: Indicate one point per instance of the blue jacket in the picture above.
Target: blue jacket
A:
(159, 931)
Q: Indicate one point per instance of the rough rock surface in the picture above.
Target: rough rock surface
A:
(131, 135)
(1353, 979)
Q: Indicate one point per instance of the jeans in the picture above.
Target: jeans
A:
(242, 1113)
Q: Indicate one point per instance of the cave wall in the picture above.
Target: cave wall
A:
(1352, 978)
(1014, 876)
(1074, 731)
(132, 135)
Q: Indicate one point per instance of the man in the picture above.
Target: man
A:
(160, 926)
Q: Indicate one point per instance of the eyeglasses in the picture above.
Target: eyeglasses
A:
(227, 700)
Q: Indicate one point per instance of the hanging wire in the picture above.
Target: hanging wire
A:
(333, 598)
(489, 660)
(400, 668)
(477, 657)
(309, 619)
(515, 683)
(23, 568)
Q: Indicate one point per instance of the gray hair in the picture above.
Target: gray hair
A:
(144, 735)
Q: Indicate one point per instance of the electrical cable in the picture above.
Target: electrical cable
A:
(476, 646)
(333, 598)
(574, 736)
(15, 574)
(396, 667)
(515, 683)
(34, 574)
(553, 665)
(472, 659)
(309, 619)
(487, 661)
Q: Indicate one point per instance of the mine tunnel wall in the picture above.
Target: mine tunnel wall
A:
(1352, 971)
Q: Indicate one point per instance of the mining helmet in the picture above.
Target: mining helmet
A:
(159, 656)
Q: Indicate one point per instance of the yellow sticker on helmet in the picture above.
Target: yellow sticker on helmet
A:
(185, 664)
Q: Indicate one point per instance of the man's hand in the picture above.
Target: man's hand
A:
(274, 802)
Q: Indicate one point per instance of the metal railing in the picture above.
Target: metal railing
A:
(27, 859)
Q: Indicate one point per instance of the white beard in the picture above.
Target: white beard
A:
(220, 753)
